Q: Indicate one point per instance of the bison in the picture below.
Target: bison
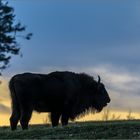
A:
(63, 94)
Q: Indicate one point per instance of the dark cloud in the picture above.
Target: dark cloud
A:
(80, 34)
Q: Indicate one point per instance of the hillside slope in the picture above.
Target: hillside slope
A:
(80, 130)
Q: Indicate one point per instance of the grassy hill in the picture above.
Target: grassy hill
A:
(79, 130)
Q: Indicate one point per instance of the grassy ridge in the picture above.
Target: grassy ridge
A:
(81, 130)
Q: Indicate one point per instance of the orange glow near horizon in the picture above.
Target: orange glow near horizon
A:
(39, 118)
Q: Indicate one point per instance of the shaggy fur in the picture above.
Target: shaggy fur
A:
(64, 94)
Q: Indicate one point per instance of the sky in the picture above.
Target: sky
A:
(98, 37)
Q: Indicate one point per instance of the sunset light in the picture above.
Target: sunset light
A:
(74, 65)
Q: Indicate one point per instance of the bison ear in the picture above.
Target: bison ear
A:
(99, 80)
(98, 83)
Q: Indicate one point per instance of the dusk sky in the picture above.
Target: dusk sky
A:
(92, 36)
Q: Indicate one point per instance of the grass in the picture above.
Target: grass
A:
(79, 130)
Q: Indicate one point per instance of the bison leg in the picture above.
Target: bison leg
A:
(14, 119)
(55, 118)
(65, 114)
(64, 119)
(25, 118)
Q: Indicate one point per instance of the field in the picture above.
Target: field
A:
(80, 130)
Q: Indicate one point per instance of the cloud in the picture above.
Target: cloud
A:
(4, 90)
(4, 97)
(122, 85)
(4, 109)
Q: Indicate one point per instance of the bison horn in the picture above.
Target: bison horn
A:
(99, 79)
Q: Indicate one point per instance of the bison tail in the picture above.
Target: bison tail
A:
(15, 104)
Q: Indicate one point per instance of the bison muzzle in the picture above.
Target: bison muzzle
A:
(63, 94)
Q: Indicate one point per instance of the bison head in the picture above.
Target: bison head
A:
(101, 98)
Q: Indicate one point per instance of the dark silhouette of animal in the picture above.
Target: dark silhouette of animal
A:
(63, 94)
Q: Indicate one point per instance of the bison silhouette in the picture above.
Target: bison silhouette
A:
(62, 94)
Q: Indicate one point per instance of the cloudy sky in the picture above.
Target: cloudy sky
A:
(93, 36)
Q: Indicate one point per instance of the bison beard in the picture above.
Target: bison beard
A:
(63, 94)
